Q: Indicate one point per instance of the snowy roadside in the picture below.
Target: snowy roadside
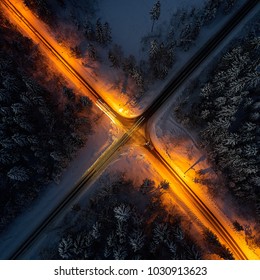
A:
(180, 147)
(121, 90)
(136, 164)
(25, 223)
(160, 117)
(140, 27)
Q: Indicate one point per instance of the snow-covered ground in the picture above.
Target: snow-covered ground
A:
(131, 25)
(164, 128)
(182, 57)
(104, 134)
(181, 149)
(140, 168)
(130, 20)
(137, 164)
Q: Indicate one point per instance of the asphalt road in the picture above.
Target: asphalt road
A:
(218, 228)
(106, 157)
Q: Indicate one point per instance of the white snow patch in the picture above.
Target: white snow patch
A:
(130, 20)
(97, 143)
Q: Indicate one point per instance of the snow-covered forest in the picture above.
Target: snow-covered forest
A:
(124, 221)
(159, 46)
(224, 104)
(40, 131)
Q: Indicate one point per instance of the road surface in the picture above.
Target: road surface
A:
(133, 124)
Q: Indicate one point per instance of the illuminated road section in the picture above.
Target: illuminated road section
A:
(60, 56)
(72, 70)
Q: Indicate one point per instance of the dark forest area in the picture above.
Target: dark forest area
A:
(39, 134)
(227, 115)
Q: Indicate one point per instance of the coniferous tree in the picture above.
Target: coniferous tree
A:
(155, 13)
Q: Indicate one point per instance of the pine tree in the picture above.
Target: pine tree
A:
(78, 245)
(18, 174)
(228, 5)
(122, 212)
(65, 247)
(115, 56)
(20, 139)
(92, 52)
(19, 108)
(5, 157)
(85, 101)
(164, 185)
(95, 232)
(136, 240)
(89, 31)
(153, 49)
(147, 186)
(107, 33)
(119, 253)
(161, 233)
(5, 96)
(103, 33)
(237, 226)
(178, 233)
(155, 13)
(99, 32)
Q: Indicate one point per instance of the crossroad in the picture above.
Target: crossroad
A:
(132, 125)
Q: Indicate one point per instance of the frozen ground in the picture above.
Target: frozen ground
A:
(181, 148)
(139, 173)
(183, 57)
(130, 20)
(40, 209)
(137, 164)
(135, 23)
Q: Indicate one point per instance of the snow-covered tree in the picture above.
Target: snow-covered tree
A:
(138, 78)
(107, 252)
(115, 55)
(136, 240)
(19, 108)
(253, 79)
(111, 239)
(228, 5)
(122, 212)
(92, 52)
(20, 139)
(178, 233)
(155, 13)
(172, 247)
(193, 252)
(65, 247)
(11, 83)
(89, 30)
(154, 48)
(107, 33)
(18, 173)
(4, 95)
(161, 233)
(78, 245)
(119, 253)
(96, 230)
(251, 150)
(5, 157)
(58, 156)
(103, 33)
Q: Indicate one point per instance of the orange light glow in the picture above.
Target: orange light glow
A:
(61, 58)
(182, 190)
(197, 200)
